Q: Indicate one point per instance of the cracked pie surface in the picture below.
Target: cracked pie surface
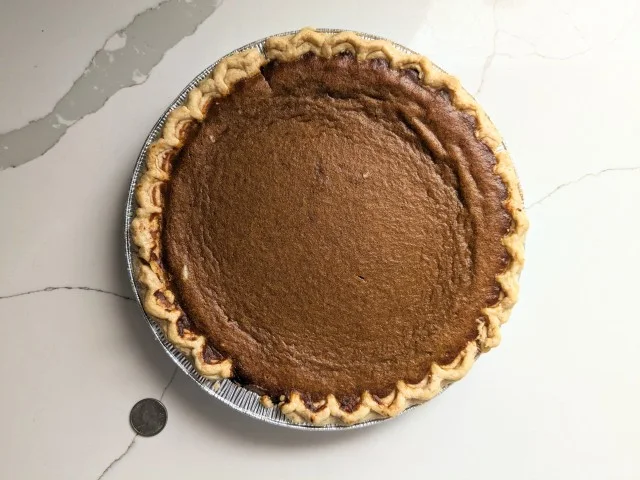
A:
(332, 222)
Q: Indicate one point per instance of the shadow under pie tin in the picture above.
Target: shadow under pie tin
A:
(228, 391)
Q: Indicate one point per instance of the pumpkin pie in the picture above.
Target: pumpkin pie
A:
(332, 222)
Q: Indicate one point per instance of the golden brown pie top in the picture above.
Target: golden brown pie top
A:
(334, 231)
(332, 244)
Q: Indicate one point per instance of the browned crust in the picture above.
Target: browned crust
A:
(159, 301)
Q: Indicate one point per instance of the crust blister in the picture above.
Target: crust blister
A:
(159, 301)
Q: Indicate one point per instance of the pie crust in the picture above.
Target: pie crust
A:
(161, 303)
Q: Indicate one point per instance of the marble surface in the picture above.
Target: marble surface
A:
(83, 81)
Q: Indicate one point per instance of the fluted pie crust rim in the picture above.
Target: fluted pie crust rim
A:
(160, 302)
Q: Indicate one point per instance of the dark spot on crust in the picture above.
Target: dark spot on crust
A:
(185, 324)
(162, 299)
(309, 403)
(411, 74)
(211, 355)
(349, 403)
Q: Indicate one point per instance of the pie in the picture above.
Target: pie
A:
(332, 222)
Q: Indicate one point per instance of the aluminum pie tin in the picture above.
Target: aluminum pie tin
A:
(227, 391)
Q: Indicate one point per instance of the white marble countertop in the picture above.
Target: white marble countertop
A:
(81, 84)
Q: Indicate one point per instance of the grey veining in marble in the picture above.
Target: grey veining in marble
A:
(135, 436)
(125, 60)
(578, 180)
(53, 289)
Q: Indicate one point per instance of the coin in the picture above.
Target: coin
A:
(148, 417)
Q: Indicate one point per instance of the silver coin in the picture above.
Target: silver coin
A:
(148, 417)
